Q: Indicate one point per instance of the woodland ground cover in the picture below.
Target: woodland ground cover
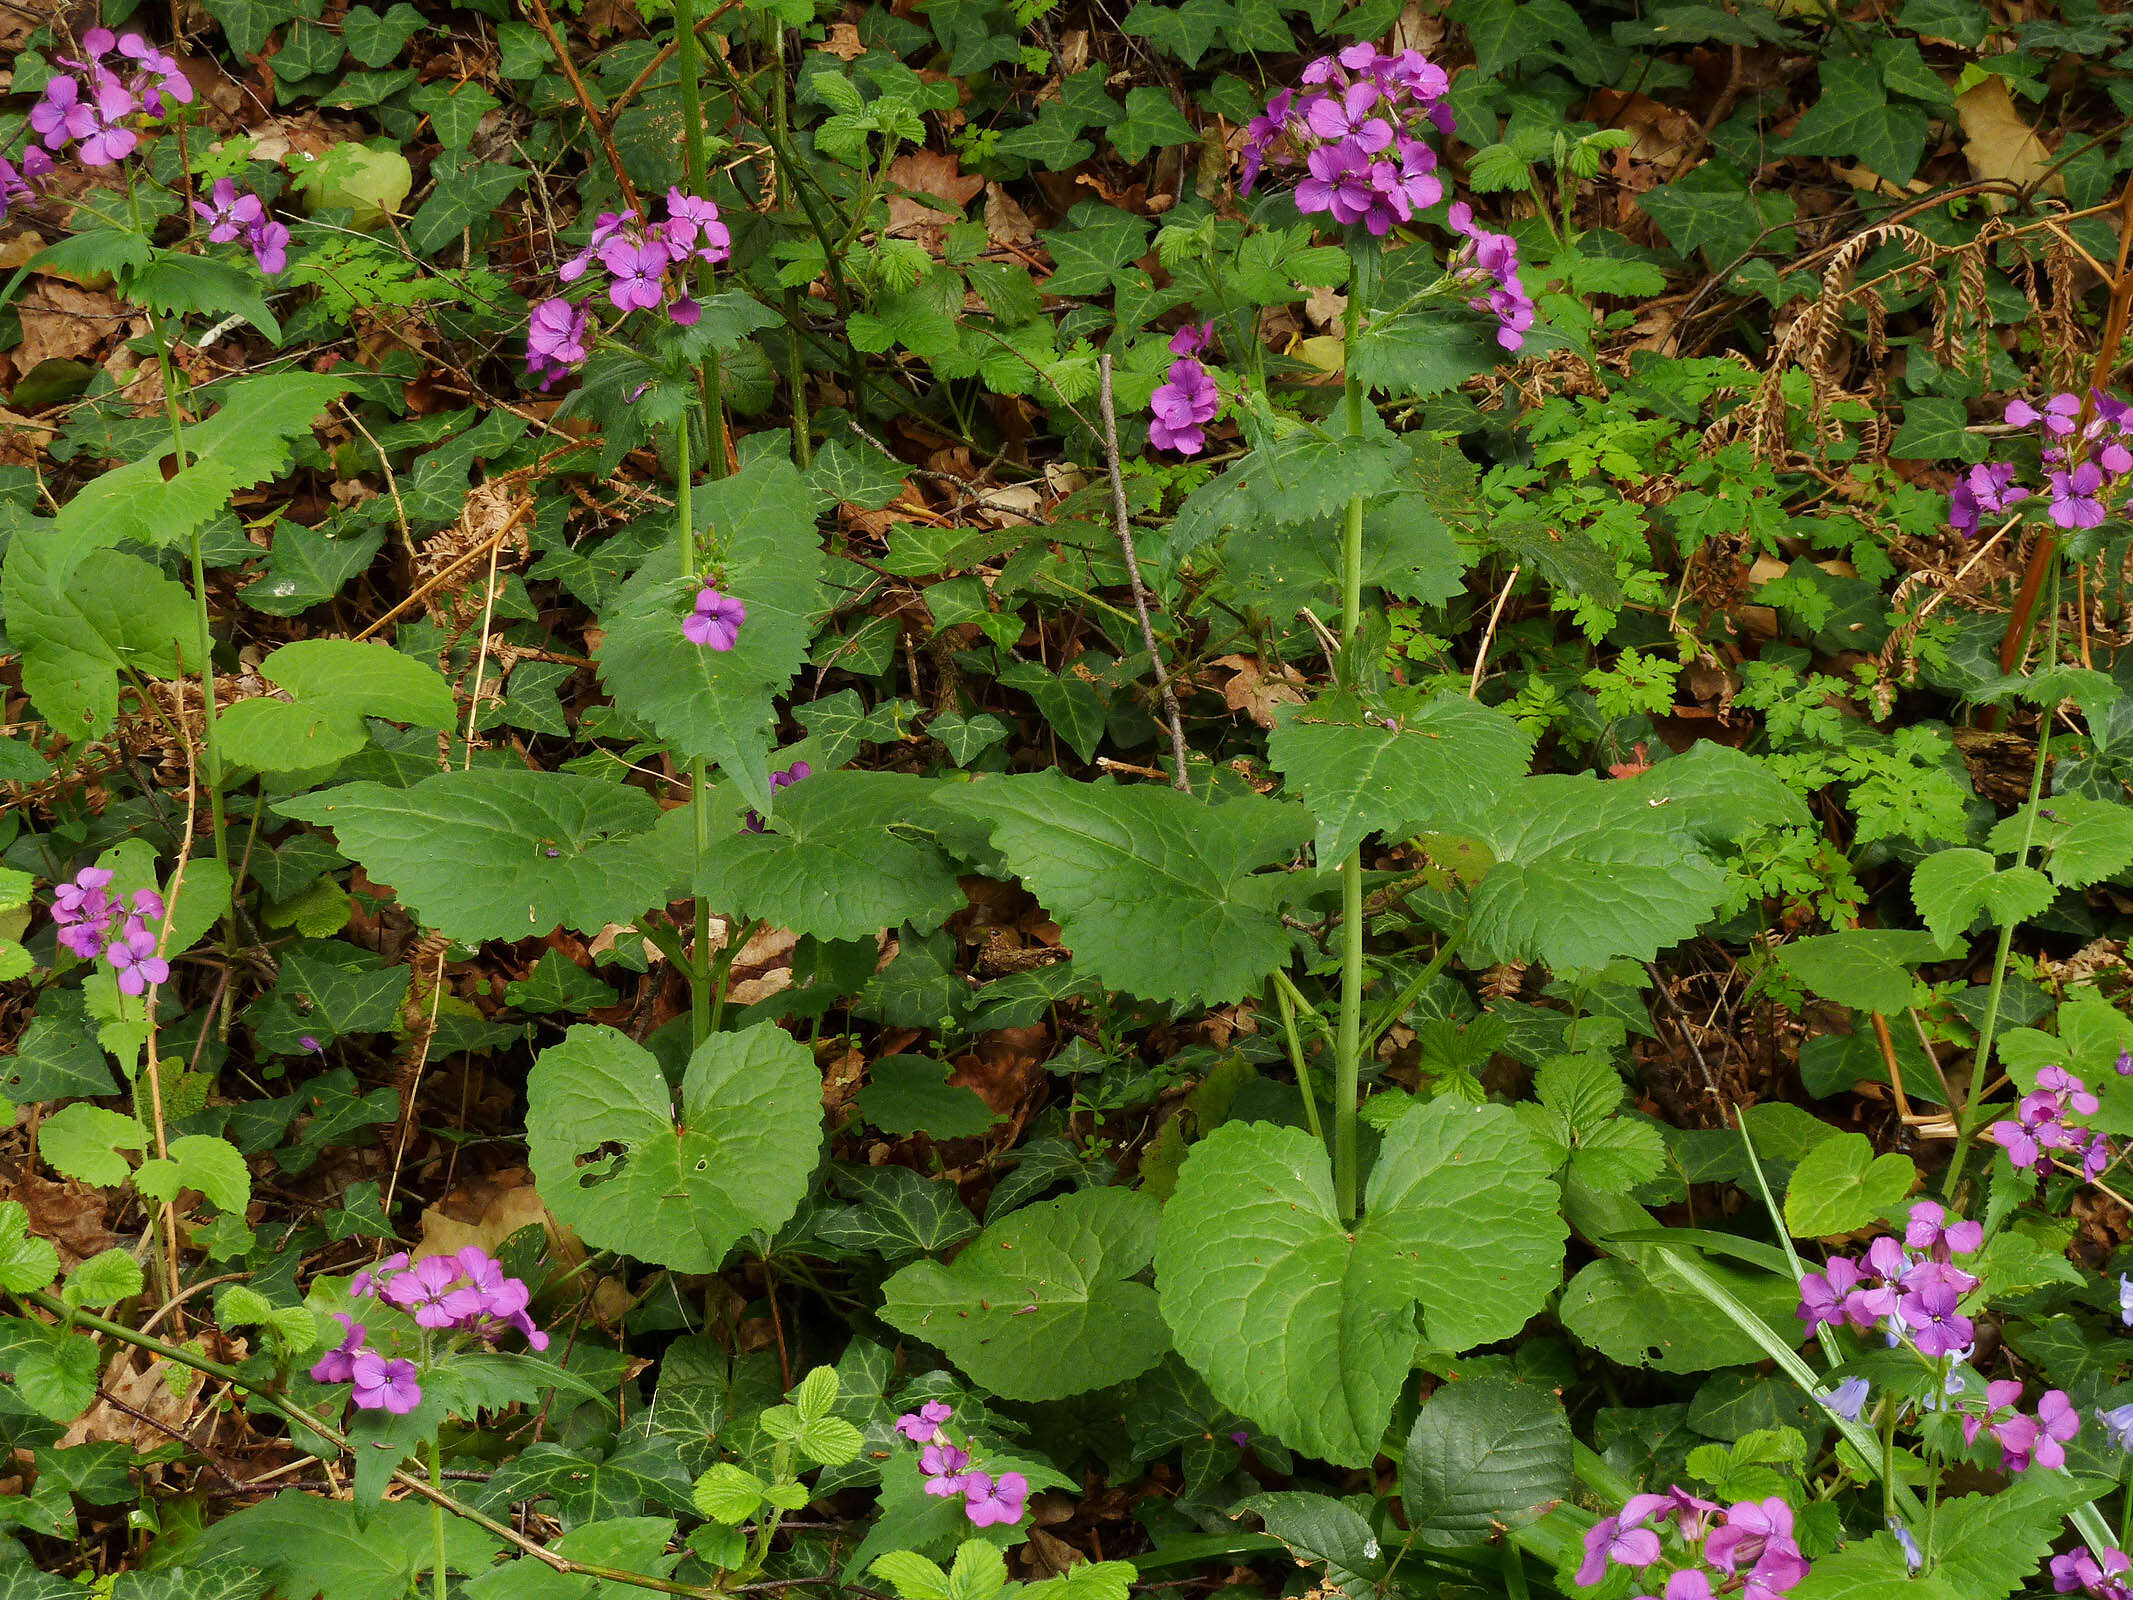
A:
(999, 797)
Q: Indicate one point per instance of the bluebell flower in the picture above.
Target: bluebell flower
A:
(1913, 1557)
(2125, 1299)
(2118, 1426)
(1848, 1399)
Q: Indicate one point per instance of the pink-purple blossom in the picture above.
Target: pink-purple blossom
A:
(1745, 1551)
(338, 1364)
(2100, 1579)
(382, 1384)
(555, 340)
(2045, 1125)
(1181, 408)
(923, 1426)
(716, 622)
(122, 77)
(466, 1292)
(989, 1502)
(791, 775)
(94, 923)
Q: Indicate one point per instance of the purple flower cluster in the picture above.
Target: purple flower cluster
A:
(2084, 463)
(1492, 259)
(637, 257)
(987, 1500)
(230, 215)
(1188, 400)
(16, 183)
(716, 622)
(2024, 1441)
(778, 780)
(2044, 1122)
(87, 914)
(2103, 1580)
(466, 1292)
(1911, 1289)
(378, 1384)
(1747, 1548)
(1357, 125)
(122, 77)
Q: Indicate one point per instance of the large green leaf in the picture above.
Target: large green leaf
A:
(503, 854)
(333, 684)
(1041, 1304)
(681, 1189)
(2085, 841)
(1361, 772)
(1307, 1326)
(1155, 890)
(1950, 888)
(78, 619)
(1842, 1185)
(842, 859)
(1868, 969)
(1484, 1455)
(716, 704)
(314, 1547)
(1586, 871)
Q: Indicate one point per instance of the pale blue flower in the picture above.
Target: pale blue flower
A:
(2118, 1426)
(1848, 1399)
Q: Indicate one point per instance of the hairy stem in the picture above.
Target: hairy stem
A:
(1348, 1044)
(700, 956)
(692, 149)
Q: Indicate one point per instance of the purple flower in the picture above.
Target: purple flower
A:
(306, 1041)
(639, 271)
(2118, 1426)
(1913, 1557)
(1988, 487)
(1240, 1437)
(1191, 339)
(1848, 1399)
(2057, 1422)
(1339, 182)
(1822, 1294)
(133, 956)
(1937, 1327)
(609, 225)
(1690, 1583)
(2060, 413)
(1182, 407)
(338, 1364)
(372, 1279)
(269, 241)
(62, 115)
(987, 1503)
(555, 340)
(1750, 1527)
(1609, 1541)
(382, 1384)
(2075, 496)
(923, 1426)
(227, 213)
(693, 229)
(716, 622)
(1352, 114)
(943, 1465)
(423, 1290)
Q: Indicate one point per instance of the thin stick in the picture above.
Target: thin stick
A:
(666, 54)
(1121, 520)
(597, 122)
(1481, 660)
(148, 1009)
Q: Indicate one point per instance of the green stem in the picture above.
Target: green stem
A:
(1280, 988)
(1407, 996)
(692, 151)
(437, 1516)
(722, 968)
(699, 965)
(1981, 1060)
(1348, 1047)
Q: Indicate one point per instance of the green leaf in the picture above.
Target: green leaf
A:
(245, 443)
(1186, 31)
(455, 110)
(1041, 1304)
(83, 1141)
(1868, 969)
(966, 738)
(1712, 209)
(1991, 1544)
(1090, 254)
(728, 1493)
(1068, 701)
(1853, 120)
(1484, 1455)
(178, 284)
(1586, 871)
(503, 854)
(910, 1094)
(1154, 890)
(462, 200)
(1306, 1325)
(911, 1576)
(79, 620)
(307, 566)
(1361, 771)
(901, 1214)
(1718, 793)
(683, 1189)
(1151, 122)
(1950, 888)
(1842, 1185)
(374, 38)
(203, 1162)
(2086, 841)
(1419, 354)
(311, 1546)
(845, 856)
(1938, 429)
(558, 983)
(104, 1279)
(27, 1263)
(248, 24)
(716, 704)
(333, 684)
(57, 1057)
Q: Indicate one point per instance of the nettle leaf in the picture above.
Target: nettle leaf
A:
(1307, 1325)
(79, 619)
(682, 1190)
(1305, 474)
(1157, 892)
(1041, 1304)
(1418, 354)
(1842, 1185)
(1484, 1455)
(1950, 888)
(245, 443)
(502, 854)
(1585, 871)
(1868, 969)
(716, 704)
(843, 858)
(333, 685)
(27, 1263)
(1361, 771)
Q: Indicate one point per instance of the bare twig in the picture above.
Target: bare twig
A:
(1122, 520)
(1488, 637)
(593, 118)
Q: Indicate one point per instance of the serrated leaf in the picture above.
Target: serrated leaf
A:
(27, 1263)
(502, 854)
(307, 1545)
(83, 1141)
(2086, 841)
(1950, 888)
(1040, 1305)
(104, 1279)
(79, 619)
(684, 1188)
(334, 685)
(716, 704)
(179, 284)
(1865, 968)
(1841, 1185)
(1306, 1325)
(845, 856)
(1364, 772)
(911, 1576)
(728, 1493)
(1484, 1455)
(1156, 892)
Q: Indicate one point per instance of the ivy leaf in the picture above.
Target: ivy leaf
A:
(248, 24)
(1041, 1304)
(855, 475)
(78, 621)
(1187, 31)
(1307, 1325)
(841, 859)
(1937, 429)
(1711, 208)
(684, 1189)
(501, 854)
(307, 566)
(909, 1094)
(342, 990)
(1152, 121)
(1586, 871)
(455, 110)
(1950, 888)
(558, 983)
(1852, 119)
(1155, 890)
(333, 684)
(1301, 475)
(900, 1214)
(1840, 1185)
(375, 38)
(462, 200)
(1484, 1455)
(1363, 771)
(716, 704)
(1098, 242)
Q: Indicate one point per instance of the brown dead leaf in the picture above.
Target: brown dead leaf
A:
(1006, 223)
(1997, 141)
(1004, 1067)
(931, 173)
(486, 1210)
(69, 1214)
(843, 42)
(61, 322)
(158, 1390)
(1256, 692)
